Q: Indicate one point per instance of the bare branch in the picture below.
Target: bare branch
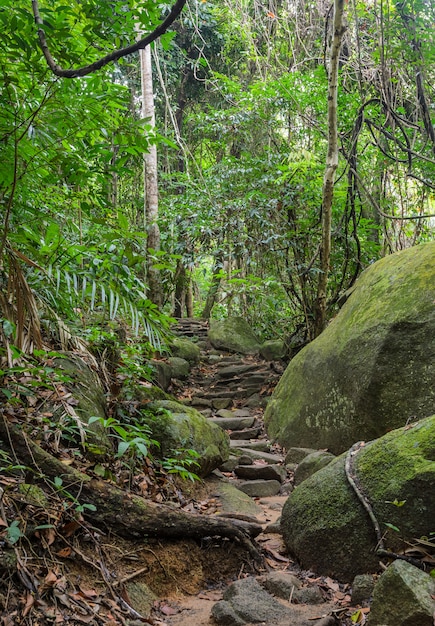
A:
(109, 58)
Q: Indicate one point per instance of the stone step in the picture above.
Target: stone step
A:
(264, 472)
(246, 433)
(259, 488)
(233, 423)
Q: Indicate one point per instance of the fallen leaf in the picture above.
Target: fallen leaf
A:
(64, 553)
(30, 601)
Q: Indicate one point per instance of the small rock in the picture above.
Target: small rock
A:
(311, 464)
(141, 597)
(282, 584)
(225, 614)
(362, 588)
(275, 506)
(273, 529)
(403, 597)
(273, 350)
(308, 595)
(251, 604)
(229, 465)
(206, 412)
(222, 403)
(286, 489)
(179, 368)
(214, 358)
(295, 455)
(259, 488)
(244, 459)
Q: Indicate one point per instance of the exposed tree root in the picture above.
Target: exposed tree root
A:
(122, 512)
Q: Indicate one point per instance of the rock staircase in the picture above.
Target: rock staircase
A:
(232, 390)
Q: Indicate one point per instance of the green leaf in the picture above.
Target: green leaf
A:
(13, 532)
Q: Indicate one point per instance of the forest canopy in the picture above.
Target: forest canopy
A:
(241, 136)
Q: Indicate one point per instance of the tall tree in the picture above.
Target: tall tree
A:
(331, 167)
(151, 196)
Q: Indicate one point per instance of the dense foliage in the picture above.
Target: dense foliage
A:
(241, 95)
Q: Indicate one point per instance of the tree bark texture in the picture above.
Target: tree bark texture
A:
(331, 167)
(151, 200)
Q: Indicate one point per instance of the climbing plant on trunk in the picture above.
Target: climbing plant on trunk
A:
(331, 167)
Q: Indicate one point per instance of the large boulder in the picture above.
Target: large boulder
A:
(177, 427)
(373, 367)
(233, 334)
(325, 525)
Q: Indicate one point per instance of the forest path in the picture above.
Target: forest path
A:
(232, 390)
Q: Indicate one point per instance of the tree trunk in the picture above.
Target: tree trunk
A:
(331, 167)
(214, 287)
(120, 511)
(151, 200)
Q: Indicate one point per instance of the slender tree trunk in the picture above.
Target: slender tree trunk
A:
(214, 287)
(151, 202)
(331, 167)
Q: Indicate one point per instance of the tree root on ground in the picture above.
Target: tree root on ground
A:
(124, 513)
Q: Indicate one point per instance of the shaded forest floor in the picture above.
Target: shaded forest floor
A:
(63, 570)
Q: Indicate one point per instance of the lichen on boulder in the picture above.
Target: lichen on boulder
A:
(233, 334)
(324, 524)
(373, 367)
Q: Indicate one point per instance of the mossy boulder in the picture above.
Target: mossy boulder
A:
(372, 368)
(185, 349)
(326, 527)
(180, 368)
(233, 334)
(179, 427)
(273, 350)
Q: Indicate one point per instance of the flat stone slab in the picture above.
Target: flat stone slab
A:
(233, 423)
(260, 445)
(199, 401)
(255, 454)
(264, 472)
(234, 501)
(260, 488)
(235, 370)
(246, 433)
(228, 413)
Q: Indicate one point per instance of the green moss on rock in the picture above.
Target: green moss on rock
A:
(185, 349)
(324, 523)
(372, 368)
(233, 334)
(176, 426)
